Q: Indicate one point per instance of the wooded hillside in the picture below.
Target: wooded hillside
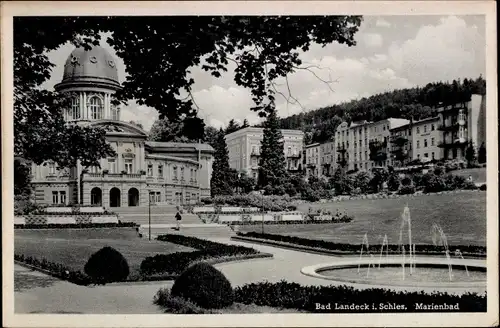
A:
(419, 103)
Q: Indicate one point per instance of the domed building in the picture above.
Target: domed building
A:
(173, 173)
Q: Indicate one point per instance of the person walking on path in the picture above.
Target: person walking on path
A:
(178, 218)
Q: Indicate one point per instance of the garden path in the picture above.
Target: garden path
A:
(55, 296)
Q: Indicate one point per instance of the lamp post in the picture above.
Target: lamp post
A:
(239, 183)
(262, 192)
(149, 213)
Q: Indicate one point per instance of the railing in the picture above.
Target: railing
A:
(113, 176)
(293, 155)
(450, 127)
(451, 144)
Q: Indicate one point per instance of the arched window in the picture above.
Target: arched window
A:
(96, 108)
(75, 108)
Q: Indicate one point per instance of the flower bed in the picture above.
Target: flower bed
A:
(75, 225)
(466, 250)
(294, 296)
(54, 269)
(176, 263)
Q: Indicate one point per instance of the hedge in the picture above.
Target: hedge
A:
(55, 269)
(76, 225)
(176, 263)
(294, 296)
(466, 250)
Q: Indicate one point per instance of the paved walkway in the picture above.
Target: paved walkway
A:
(64, 297)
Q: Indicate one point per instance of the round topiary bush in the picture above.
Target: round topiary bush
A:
(205, 286)
(107, 265)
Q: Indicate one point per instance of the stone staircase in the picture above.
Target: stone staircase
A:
(204, 231)
(164, 214)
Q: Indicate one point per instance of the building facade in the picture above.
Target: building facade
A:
(244, 148)
(401, 145)
(460, 124)
(359, 137)
(342, 141)
(328, 158)
(379, 151)
(141, 170)
(313, 160)
(425, 140)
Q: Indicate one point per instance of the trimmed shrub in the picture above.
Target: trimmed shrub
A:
(406, 190)
(205, 286)
(393, 182)
(176, 305)
(483, 187)
(76, 225)
(469, 185)
(55, 269)
(107, 265)
(433, 183)
(291, 295)
(428, 249)
(176, 263)
(418, 180)
(406, 181)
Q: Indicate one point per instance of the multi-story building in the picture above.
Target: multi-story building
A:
(244, 149)
(168, 172)
(359, 139)
(401, 145)
(460, 124)
(328, 158)
(313, 160)
(425, 140)
(342, 144)
(379, 137)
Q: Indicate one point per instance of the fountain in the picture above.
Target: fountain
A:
(406, 221)
(386, 243)
(364, 243)
(439, 239)
(399, 271)
(459, 254)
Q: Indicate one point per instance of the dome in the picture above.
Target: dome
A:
(94, 66)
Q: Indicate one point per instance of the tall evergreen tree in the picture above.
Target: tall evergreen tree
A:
(233, 126)
(470, 153)
(481, 154)
(220, 182)
(245, 124)
(272, 165)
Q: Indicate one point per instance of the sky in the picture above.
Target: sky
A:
(392, 52)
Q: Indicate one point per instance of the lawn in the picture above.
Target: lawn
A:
(73, 247)
(462, 217)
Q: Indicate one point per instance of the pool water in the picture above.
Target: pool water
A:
(395, 273)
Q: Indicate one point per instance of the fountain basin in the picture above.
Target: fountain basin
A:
(433, 271)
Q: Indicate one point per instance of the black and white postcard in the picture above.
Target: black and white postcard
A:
(181, 164)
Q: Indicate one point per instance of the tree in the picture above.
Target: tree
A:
(139, 125)
(245, 124)
(481, 154)
(362, 181)
(243, 183)
(272, 165)
(220, 182)
(470, 153)
(211, 136)
(341, 182)
(22, 179)
(380, 175)
(191, 129)
(261, 47)
(232, 126)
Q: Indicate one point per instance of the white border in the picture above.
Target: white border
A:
(10, 9)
